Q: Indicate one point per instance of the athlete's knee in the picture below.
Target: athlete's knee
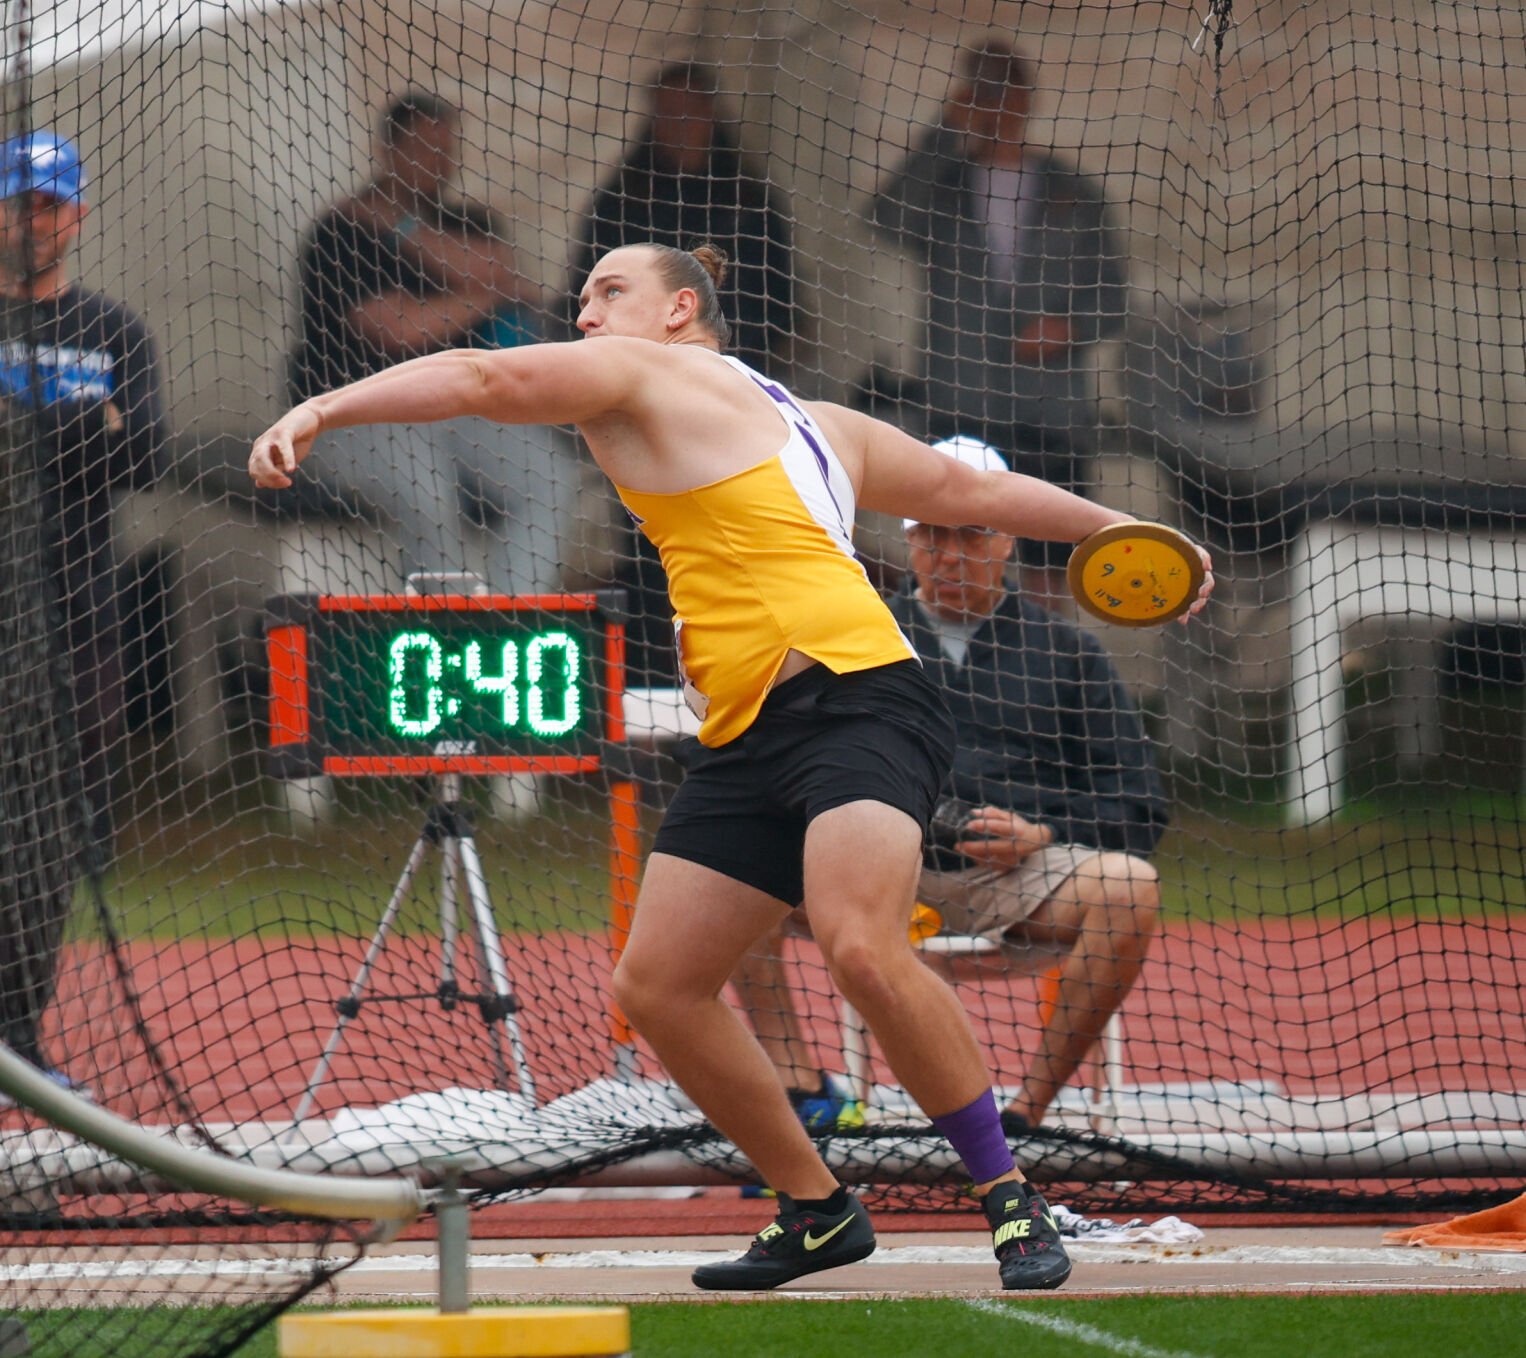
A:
(866, 971)
(1135, 886)
(625, 988)
(639, 990)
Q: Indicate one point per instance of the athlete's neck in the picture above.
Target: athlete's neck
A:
(696, 338)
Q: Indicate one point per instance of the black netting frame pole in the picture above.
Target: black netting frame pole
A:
(34, 809)
(45, 816)
(1220, 17)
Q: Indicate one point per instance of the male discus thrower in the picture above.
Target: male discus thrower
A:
(443, 685)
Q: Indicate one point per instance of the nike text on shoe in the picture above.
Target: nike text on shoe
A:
(796, 1243)
(1026, 1240)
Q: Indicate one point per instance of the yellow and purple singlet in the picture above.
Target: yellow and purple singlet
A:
(761, 563)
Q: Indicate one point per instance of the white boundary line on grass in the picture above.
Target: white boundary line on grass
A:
(1074, 1330)
(427, 1261)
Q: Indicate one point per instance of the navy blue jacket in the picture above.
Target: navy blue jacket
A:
(1045, 727)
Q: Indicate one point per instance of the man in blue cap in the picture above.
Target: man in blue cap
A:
(80, 379)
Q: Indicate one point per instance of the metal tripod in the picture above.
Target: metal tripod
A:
(448, 826)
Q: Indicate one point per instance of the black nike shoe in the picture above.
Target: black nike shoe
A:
(796, 1243)
(1026, 1240)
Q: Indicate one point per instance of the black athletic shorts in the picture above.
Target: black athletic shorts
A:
(821, 740)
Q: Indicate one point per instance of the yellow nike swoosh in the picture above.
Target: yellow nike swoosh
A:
(815, 1242)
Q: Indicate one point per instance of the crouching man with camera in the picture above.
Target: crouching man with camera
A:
(1053, 809)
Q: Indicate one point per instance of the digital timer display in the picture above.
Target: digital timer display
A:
(405, 684)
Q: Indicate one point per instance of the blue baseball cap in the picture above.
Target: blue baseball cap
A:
(42, 162)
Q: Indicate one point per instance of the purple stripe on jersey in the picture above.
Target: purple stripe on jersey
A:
(826, 474)
(780, 396)
(783, 398)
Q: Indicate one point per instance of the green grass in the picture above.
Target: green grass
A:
(247, 875)
(1448, 863)
(1206, 1327)
(1445, 842)
(214, 862)
(1398, 1325)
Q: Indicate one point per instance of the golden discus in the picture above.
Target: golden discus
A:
(1135, 574)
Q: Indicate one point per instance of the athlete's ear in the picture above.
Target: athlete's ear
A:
(683, 309)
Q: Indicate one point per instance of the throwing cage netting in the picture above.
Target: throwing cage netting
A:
(324, 809)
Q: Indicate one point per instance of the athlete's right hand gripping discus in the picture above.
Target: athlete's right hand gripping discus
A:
(1136, 574)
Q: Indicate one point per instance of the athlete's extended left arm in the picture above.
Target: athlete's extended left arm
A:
(535, 384)
(903, 476)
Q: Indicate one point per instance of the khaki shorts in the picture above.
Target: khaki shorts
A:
(988, 902)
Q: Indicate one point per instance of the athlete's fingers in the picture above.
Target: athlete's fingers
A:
(269, 463)
(1204, 590)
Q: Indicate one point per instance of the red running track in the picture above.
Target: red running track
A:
(1336, 1007)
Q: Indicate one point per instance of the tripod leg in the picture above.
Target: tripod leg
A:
(504, 1006)
(350, 1005)
(453, 895)
(450, 878)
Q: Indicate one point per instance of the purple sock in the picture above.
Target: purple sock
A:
(974, 1132)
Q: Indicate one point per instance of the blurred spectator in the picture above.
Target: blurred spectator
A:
(407, 267)
(403, 267)
(685, 181)
(1024, 274)
(84, 366)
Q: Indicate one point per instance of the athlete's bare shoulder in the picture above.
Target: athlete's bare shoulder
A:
(849, 433)
(696, 419)
(619, 353)
(662, 378)
(570, 383)
(633, 364)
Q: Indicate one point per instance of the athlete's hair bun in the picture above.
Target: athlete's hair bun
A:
(712, 259)
(702, 270)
